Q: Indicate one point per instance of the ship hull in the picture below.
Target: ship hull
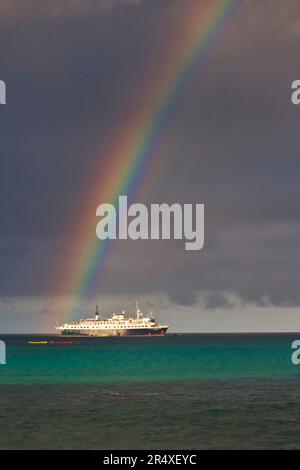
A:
(117, 333)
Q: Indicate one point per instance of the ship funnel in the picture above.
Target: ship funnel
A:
(97, 313)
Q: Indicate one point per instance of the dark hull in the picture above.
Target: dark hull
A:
(101, 333)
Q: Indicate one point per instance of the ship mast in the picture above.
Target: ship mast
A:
(137, 311)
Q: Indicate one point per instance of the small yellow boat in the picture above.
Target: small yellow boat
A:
(37, 342)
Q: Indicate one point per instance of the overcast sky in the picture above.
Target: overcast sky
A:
(72, 68)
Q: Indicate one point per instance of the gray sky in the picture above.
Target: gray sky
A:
(71, 67)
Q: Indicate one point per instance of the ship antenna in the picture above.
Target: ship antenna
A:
(137, 310)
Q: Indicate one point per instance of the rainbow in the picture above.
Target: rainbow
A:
(135, 144)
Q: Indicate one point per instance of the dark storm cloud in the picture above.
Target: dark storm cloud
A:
(67, 81)
(72, 66)
(20, 9)
(217, 300)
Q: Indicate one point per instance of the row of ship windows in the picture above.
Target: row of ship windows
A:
(96, 328)
(121, 327)
(111, 323)
(114, 322)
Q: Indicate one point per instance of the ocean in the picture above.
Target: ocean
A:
(202, 391)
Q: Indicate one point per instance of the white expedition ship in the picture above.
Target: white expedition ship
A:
(117, 325)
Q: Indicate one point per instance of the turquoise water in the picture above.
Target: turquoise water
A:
(188, 391)
(171, 358)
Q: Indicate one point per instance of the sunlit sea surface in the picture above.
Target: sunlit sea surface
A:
(173, 392)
